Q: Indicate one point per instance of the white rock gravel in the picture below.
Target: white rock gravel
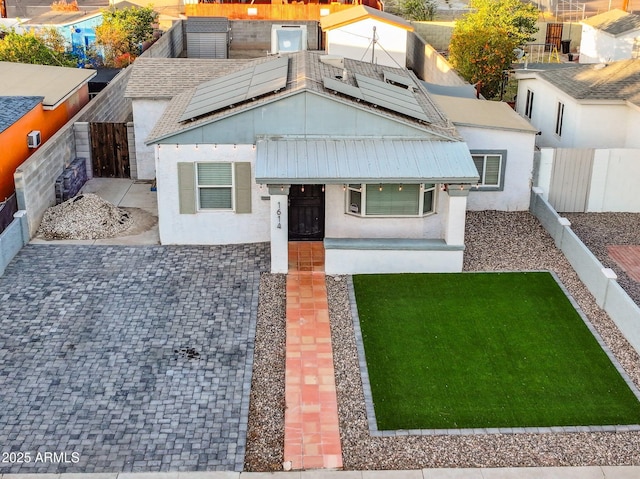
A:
(84, 216)
(496, 241)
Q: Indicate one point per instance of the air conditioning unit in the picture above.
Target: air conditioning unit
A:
(33, 139)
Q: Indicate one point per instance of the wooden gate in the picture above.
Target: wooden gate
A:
(570, 179)
(554, 35)
(110, 150)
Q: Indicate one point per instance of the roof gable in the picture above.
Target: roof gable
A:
(359, 13)
(306, 73)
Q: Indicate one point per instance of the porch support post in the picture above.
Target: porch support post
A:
(279, 228)
(456, 213)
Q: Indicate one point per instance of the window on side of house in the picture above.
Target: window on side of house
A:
(490, 166)
(215, 186)
(528, 108)
(391, 199)
(559, 118)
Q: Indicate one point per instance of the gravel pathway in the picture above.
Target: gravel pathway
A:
(496, 241)
(599, 230)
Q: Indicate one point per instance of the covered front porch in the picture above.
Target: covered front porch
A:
(378, 206)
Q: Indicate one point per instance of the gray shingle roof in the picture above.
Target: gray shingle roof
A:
(614, 22)
(167, 77)
(306, 72)
(12, 108)
(615, 81)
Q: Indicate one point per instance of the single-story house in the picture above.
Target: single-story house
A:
(365, 33)
(583, 106)
(308, 146)
(610, 36)
(36, 101)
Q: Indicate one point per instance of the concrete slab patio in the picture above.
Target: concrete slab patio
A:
(133, 358)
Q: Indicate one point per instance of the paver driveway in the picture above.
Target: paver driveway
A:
(133, 358)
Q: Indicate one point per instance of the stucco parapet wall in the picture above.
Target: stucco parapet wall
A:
(396, 244)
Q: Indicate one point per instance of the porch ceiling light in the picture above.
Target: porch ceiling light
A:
(380, 188)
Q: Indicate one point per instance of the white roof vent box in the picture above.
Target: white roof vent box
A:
(288, 38)
(333, 60)
(34, 139)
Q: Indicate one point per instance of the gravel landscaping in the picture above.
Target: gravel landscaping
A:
(599, 230)
(496, 241)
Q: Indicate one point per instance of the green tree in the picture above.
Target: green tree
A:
(43, 48)
(122, 33)
(483, 41)
(418, 10)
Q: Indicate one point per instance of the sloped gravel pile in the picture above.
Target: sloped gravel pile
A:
(84, 217)
(599, 230)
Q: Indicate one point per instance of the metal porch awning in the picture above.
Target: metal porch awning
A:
(331, 161)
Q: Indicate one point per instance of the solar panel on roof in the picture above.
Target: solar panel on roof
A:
(390, 97)
(237, 87)
(390, 77)
(341, 87)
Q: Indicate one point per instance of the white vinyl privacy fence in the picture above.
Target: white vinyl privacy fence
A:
(601, 282)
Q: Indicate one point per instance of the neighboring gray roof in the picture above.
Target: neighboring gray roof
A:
(616, 81)
(12, 108)
(207, 25)
(306, 72)
(362, 12)
(304, 161)
(482, 113)
(461, 91)
(55, 84)
(167, 77)
(61, 18)
(614, 22)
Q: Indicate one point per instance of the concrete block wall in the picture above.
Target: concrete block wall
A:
(83, 144)
(428, 64)
(169, 45)
(35, 179)
(110, 105)
(600, 281)
(13, 238)
(256, 34)
(131, 141)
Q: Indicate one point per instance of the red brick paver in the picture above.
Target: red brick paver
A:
(311, 436)
(628, 258)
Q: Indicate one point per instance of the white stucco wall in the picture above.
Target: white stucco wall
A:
(339, 224)
(518, 168)
(633, 127)
(207, 227)
(354, 41)
(585, 125)
(145, 115)
(597, 46)
(614, 181)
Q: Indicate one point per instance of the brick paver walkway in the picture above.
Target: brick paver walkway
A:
(134, 358)
(312, 436)
(628, 258)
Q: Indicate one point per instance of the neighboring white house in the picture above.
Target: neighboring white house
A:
(502, 146)
(364, 33)
(584, 106)
(610, 36)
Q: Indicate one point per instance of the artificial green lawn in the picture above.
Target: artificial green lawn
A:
(476, 350)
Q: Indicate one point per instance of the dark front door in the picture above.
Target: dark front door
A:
(554, 35)
(306, 212)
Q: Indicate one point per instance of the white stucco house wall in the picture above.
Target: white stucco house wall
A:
(502, 145)
(288, 148)
(583, 106)
(610, 36)
(350, 33)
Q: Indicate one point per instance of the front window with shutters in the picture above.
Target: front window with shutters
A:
(215, 186)
(490, 166)
(391, 199)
